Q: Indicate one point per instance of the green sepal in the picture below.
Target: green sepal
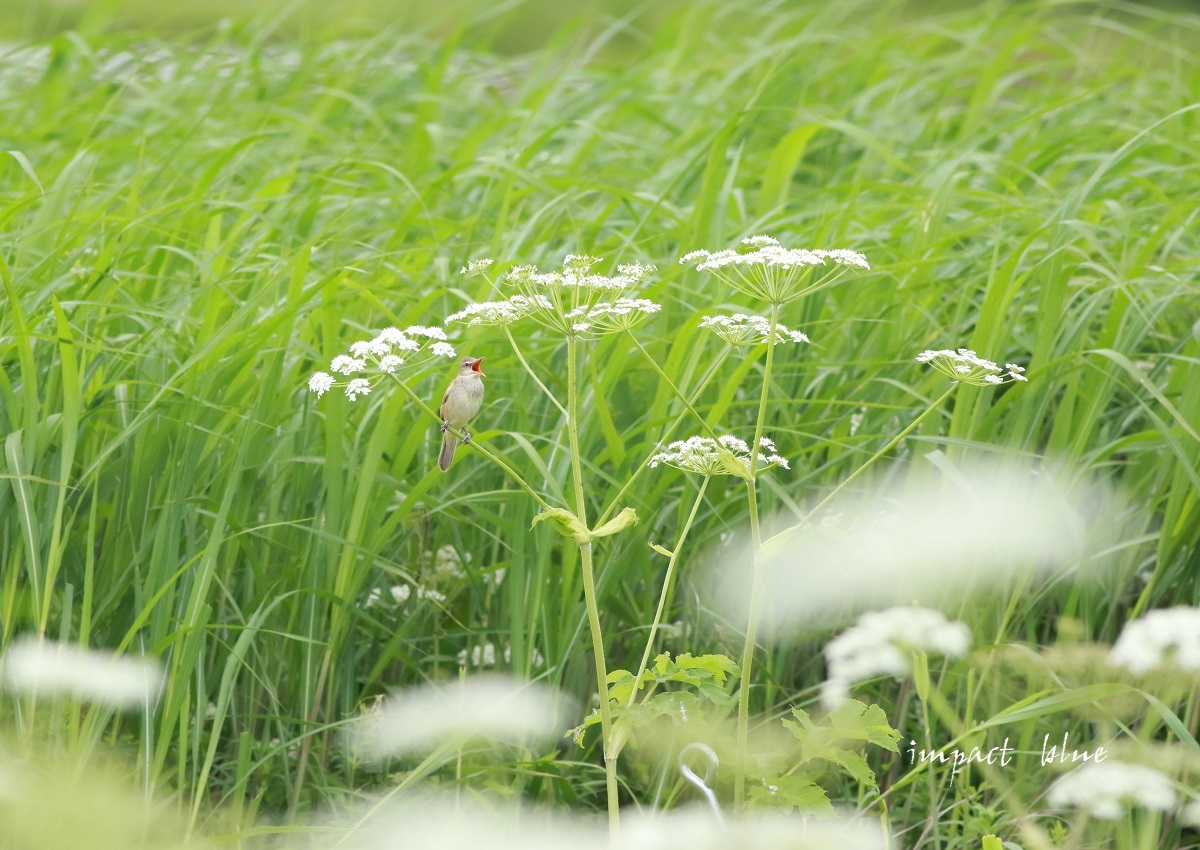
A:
(622, 521)
(567, 524)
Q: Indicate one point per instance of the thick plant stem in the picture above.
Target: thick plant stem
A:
(589, 594)
(606, 727)
(512, 473)
(662, 598)
(743, 721)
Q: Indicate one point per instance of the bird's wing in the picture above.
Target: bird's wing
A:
(445, 398)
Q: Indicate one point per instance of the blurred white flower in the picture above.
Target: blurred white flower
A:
(1105, 789)
(400, 593)
(967, 367)
(741, 329)
(431, 594)
(881, 643)
(433, 824)
(448, 564)
(1190, 814)
(480, 656)
(357, 387)
(1165, 638)
(493, 577)
(373, 598)
(727, 455)
(535, 657)
(764, 269)
(479, 707)
(924, 539)
(46, 668)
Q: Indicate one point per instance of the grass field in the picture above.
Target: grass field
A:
(192, 223)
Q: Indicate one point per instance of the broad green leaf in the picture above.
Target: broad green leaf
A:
(792, 792)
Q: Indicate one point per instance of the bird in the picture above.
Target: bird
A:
(461, 402)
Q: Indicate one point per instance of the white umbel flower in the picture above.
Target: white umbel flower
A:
(320, 383)
(764, 269)
(881, 643)
(623, 314)
(576, 300)
(372, 359)
(46, 668)
(967, 367)
(499, 312)
(1165, 638)
(475, 267)
(727, 455)
(479, 707)
(1106, 789)
(742, 329)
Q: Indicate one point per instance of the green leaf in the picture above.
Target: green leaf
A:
(620, 686)
(792, 792)
(991, 842)
(660, 550)
(567, 524)
(577, 733)
(622, 521)
(695, 670)
(835, 739)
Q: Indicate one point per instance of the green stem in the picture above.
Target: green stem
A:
(517, 350)
(662, 599)
(743, 722)
(783, 536)
(512, 473)
(1032, 832)
(671, 384)
(712, 370)
(589, 595)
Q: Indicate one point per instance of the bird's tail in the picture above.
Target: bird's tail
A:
(446, 455)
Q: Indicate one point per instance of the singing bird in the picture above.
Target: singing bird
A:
(461, 402)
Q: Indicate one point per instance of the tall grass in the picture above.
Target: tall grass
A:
(189, 228)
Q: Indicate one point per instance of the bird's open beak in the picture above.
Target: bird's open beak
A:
(477, 367)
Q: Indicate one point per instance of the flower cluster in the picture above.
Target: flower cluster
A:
(1103, 789)
(967, 367)
(740, 329)
(47, 669)
(764, 269)
(1168, 637)
(401, 593)
(500, 312)
(882, 643)
(382, 355)
(620, 315)
(572, 301)
(725, 455)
